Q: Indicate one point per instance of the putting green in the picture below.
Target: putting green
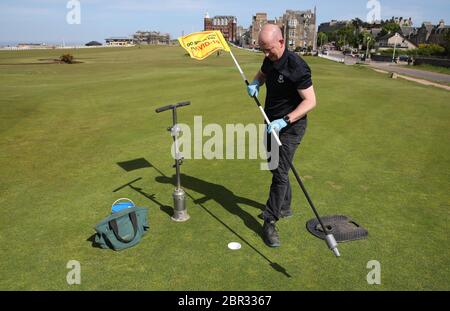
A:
(376, 150)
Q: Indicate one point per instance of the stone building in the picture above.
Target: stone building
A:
(299, 29)
(429, 34)
(390, 40)
(422, 34)
(333, 25)
(258, 21)
(440, 34)
(242, 36)
(151, 37)
(119, 41)
(402, 22)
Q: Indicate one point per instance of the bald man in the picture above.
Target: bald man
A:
(290, 96)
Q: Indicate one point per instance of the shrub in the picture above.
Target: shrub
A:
(66, 58)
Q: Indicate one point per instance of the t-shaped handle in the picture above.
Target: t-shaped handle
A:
(174, 106)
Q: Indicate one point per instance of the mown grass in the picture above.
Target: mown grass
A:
(432, 68)
(376, 149)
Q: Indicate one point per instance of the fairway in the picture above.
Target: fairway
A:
(376, 150)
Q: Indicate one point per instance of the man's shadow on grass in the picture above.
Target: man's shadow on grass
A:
(229, 201)
(221, 195)
(211, 191)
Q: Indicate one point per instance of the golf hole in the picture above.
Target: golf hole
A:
(234, 246)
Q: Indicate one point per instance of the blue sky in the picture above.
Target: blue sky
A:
(45, 20)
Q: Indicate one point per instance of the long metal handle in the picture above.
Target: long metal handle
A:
(174, 131)
(332, 245)
(274, 133)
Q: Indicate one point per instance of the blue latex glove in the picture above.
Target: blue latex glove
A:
(276, 125)
(253, 88)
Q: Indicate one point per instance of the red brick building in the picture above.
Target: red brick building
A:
(226, 24)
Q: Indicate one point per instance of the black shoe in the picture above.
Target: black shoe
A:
(284, 214)
(270, 234)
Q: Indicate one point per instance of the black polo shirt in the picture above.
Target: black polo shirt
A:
(283, 79)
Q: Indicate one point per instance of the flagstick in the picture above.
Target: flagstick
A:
(329, 238)
(256, 99)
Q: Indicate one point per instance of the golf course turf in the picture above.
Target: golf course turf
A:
(376, 150)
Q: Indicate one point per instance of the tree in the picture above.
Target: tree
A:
(332, 36)
(366, 39)
(357, 22)
(390, 27)
(347, 36)
(322, 38)
(430, 50)
(426, 50)
(447, 42)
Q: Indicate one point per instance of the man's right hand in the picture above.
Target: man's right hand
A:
(253, 88)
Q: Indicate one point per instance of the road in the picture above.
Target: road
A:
(421, 74)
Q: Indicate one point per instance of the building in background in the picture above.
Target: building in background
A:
(243, 36)
(440, 34)
(151, 37)
(427, 33)
(403, 22)
(333, 25)
(226, 24)
(119, 41)
(28, 46)
(93, 43)
(299, 29)
(390, 40)
(258, 21)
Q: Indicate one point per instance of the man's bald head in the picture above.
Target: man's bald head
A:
(271, 41)
(270, 33)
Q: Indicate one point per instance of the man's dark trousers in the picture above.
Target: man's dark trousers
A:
(280, 195)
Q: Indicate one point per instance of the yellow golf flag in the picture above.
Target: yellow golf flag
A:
(202, 44)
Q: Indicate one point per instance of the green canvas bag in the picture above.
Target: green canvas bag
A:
(123, 229)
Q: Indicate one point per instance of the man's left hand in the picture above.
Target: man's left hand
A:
(276, 125)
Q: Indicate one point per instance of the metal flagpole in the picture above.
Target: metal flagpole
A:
(395, 45)
(331, 241)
